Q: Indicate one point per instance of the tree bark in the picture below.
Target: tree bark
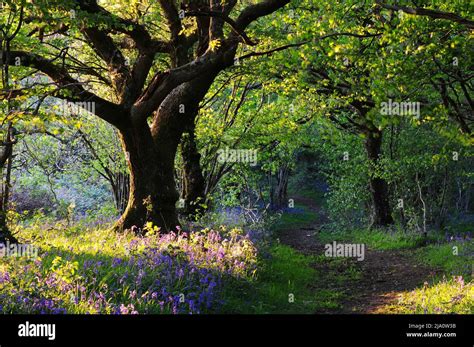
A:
(150, 153)
(121, 190)
(194, 184)
(381, 215)
(153, 194)
(6, 157)
(282, 187)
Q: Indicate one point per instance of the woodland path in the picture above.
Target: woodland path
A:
(384, 273)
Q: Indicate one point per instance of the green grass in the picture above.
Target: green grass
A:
(440, 255)
(282, 285)
(375, 239)
(451, 293)
(445, 297)
(296, 220)
(317, 196)
(286, 274)
(287, 271)
(455, 258)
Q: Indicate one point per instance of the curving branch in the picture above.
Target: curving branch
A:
(104, 109)
(435, 14)
(128, 81)
(163, 83)
(172, 17)
(302, 43)
(135, 31)
(256, 11)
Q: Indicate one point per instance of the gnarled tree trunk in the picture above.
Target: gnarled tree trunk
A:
(152, 195)
(150, 153)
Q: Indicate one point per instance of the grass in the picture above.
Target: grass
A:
(286, 271)
(451, 293)
(445, 297)
(285, 284)
(289, 281)
(302, 217)
(455, 258)
(375, 239)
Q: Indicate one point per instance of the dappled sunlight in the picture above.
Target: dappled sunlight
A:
(444, 297)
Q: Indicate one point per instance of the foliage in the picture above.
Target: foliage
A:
(305, 94)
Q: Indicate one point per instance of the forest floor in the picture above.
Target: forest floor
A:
(378, 279)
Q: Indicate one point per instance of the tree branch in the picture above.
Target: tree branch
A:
(418, 11)
(256, 11)
(298, 44)
(128, 82)
(164, 83)
(138, 32)
(104, 109)
(225, 18)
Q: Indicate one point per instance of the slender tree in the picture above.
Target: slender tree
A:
(8, 32)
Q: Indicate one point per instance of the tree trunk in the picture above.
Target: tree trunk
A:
(6, 158)
(381, 215)
(121, 190)
(153, 194)
(5, 233)
(151, 152)
(193, 181)
(282, 187)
